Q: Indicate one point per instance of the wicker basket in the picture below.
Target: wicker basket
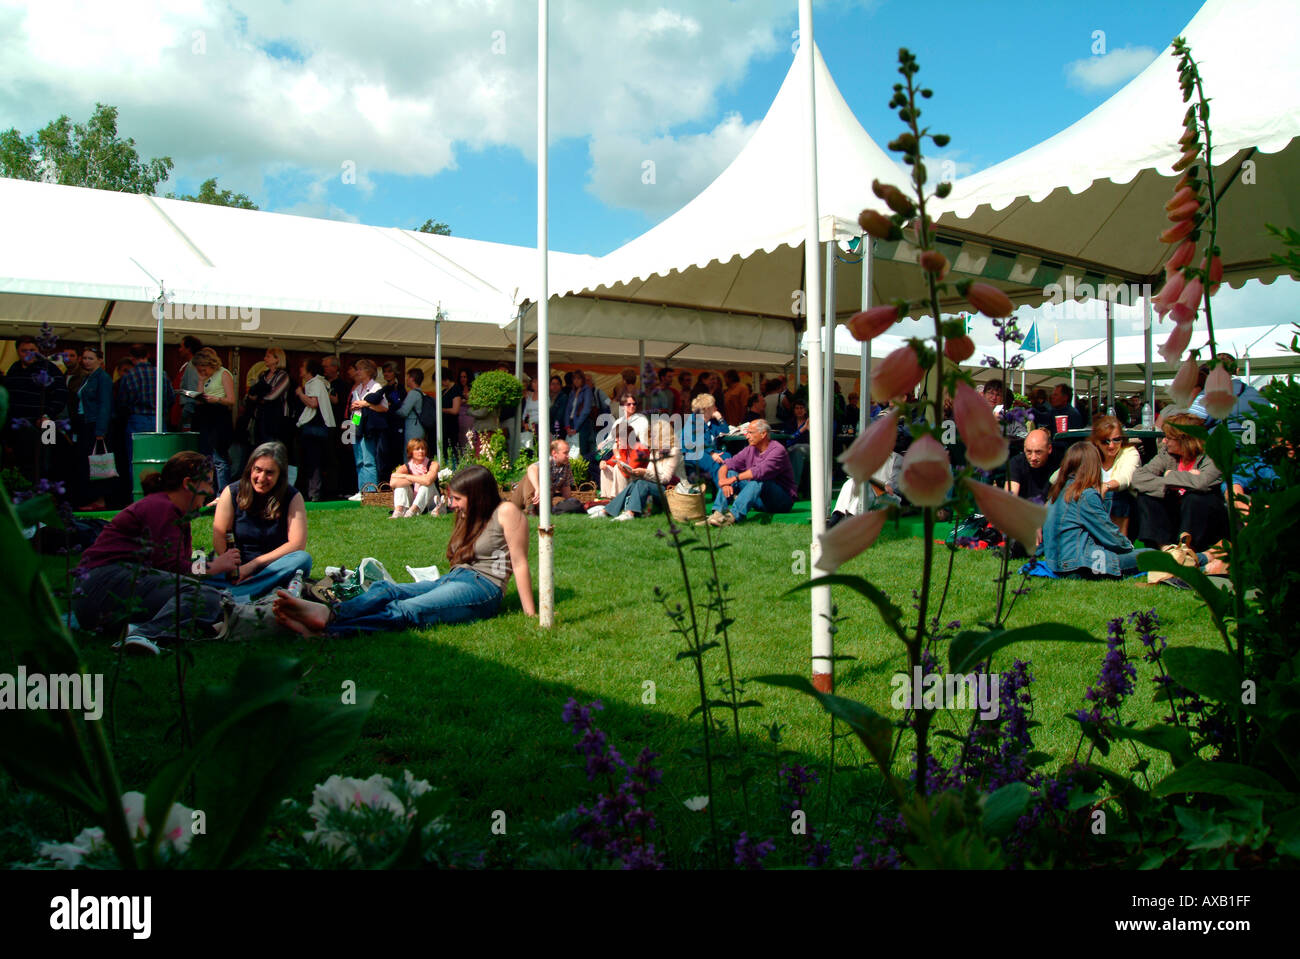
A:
(381, 495)
(685, 507)
(586, 493)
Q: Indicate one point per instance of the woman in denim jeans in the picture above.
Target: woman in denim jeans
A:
(1079, 536)
(488, 542)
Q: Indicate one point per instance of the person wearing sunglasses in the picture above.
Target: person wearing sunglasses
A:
(1118, 463)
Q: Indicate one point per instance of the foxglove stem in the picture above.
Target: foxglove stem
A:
(923, 237)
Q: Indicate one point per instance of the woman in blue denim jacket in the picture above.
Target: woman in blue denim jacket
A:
(1079, 535)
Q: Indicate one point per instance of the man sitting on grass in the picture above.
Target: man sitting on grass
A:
(758, 477)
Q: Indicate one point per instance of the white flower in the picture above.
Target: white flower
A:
(415, 787)
(696, 803)
(68, 855)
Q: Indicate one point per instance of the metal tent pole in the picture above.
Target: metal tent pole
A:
(437, 362)
(864, 364)
(545, 532)
(821, 596)
(828, 348)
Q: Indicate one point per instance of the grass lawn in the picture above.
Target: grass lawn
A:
(476, 708)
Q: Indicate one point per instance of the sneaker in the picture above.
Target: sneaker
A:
(354, 498)
(139, 646)
(596, 512)
(625, 515)
(721, 519)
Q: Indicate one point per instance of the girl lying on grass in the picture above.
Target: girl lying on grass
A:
(488, 542)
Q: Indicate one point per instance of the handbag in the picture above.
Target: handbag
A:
(102, 465)
(1183, 554)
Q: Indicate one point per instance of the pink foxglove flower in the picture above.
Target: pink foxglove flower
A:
(1182, 256)
(849, 538)
(1017, 518)
(870, 323)
(989, 300)
(897, 375)
(1179, 337)
(1219, 397)
(1178, 232)
(932, 261)
(1191, 295)
(1164, 301)
(927, 472)
(877, 225)
(959, 349)
(870, 450)
(1183, 388)
(986, 447)
(1215, 274)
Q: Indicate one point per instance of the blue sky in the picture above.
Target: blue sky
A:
(1000, 71)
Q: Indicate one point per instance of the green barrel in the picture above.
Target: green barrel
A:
(150, 451)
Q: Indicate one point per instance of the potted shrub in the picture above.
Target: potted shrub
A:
(490, 393)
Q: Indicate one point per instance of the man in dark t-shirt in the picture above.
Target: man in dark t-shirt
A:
(1028, 473)
(1062, 406)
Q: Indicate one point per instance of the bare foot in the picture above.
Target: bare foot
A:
(1215, 567)
(301, 615)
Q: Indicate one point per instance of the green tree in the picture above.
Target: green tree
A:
(208, 193)
(434, 226)
(87, 154)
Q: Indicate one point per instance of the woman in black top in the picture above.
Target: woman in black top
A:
(268, 520)
(267, 399)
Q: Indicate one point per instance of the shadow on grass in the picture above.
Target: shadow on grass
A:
(489, 733)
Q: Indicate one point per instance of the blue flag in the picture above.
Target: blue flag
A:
(1030, 341)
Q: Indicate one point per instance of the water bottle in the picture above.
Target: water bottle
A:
(233, 575)
(295, 584)
(1147, 422)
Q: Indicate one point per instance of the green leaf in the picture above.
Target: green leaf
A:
(1037, 758)
(1219, 779)
(1210, 673)
(1094, 735)
(892, 615)
(259, 743)
(970, 647)
(41, 755)
(874, 730)
(1222, 448)
(1003, 807)
(1174, 740)
(39, 509)
(1218, 601)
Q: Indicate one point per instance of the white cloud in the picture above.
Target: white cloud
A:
(393, 86)
(1104, 72)
(660, 175)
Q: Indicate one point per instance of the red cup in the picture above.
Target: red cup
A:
(1062, 424)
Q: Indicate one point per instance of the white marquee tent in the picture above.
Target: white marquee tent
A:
(1095, 192)
(86, 259)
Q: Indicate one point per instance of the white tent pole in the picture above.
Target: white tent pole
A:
(828, 388)
(1110, 359)
(1149, 388)
(545, 533)
(864, 364)
(437, 371)
(821, 597)
(158, 362)
(642, 400)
